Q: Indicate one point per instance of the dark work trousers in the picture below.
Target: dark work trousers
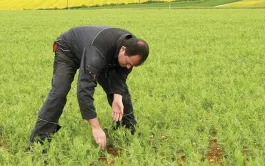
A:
(64, 70)
(65, 67)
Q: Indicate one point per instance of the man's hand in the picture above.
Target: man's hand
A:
(117, 107)
(99, 137)
(98, 133)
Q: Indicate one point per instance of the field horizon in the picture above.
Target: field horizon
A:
(106, 4)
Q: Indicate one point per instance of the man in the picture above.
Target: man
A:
(104, 55)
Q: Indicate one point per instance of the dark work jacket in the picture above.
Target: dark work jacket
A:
(96, 49)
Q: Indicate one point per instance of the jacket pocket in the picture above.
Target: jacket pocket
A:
(92, 72)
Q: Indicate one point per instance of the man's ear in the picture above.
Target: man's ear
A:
(122, 51)
(123, 48)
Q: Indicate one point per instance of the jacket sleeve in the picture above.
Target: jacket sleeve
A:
(91, 64)
(117, 78)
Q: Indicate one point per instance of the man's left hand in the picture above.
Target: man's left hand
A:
(117, 107)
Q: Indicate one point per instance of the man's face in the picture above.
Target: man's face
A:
(127, 61)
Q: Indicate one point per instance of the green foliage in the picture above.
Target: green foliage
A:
(204, 78)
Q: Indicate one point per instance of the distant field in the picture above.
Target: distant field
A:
(172, 5)
(51, 4)
(246, 3)
(199, 98)
(86, 4)
(43, 4)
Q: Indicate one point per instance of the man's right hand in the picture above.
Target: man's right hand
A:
(98, 133)
(100, 137)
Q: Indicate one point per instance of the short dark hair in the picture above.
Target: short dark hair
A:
(136, 46)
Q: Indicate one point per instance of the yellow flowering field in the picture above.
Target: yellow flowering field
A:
(44, 4)
(247, 3)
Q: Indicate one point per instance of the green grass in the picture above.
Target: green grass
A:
(205, 73)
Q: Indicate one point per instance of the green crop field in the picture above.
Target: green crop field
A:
(199, 98)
